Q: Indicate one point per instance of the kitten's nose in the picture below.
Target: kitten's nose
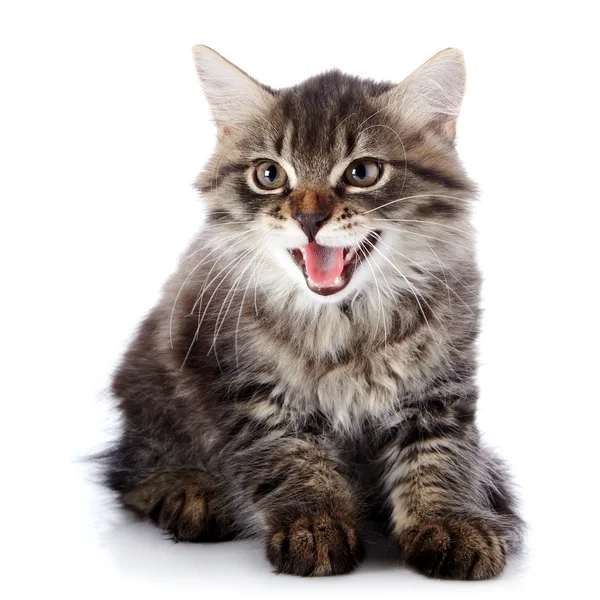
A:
(311, 222)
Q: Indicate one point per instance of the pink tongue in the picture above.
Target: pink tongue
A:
(323, 264)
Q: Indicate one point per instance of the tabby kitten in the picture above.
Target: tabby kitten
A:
(312, 360)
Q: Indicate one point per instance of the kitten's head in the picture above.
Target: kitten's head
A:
(343, 184)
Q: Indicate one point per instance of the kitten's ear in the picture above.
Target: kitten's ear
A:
(431, 96)
(232, 94)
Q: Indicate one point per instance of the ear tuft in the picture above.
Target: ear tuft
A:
(432, 95)
(232, 94)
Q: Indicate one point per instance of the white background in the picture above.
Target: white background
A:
(103, 127)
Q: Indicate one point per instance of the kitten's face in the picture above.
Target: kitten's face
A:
(342, 185)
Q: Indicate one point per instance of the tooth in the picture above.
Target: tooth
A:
(338, 280)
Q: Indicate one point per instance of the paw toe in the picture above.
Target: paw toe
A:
(314, 546)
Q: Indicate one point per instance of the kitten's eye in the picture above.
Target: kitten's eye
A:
(268, 175)
(363, 172)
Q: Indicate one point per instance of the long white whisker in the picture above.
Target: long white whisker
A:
(380, 311)
(200, 320)
(211, 224)
(229, 212)
(412, 288)
(238, 236)
(430, 237)
(437, 223)
(449, 289)
(262, 264)
(443, 265)
(230, 266)
(411, 198)
(190, 274)
(233, 236)
(232, 291)
(443, 274)
(205, 285)
(381, 308)
(237, 325)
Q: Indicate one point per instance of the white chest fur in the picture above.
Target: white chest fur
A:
(346, 382)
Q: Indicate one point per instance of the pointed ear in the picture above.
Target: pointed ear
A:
(232, 94)
(431, 96)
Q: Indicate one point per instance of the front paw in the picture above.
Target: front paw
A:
(315, 546)
(455, 547)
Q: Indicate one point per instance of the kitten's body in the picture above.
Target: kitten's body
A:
(254, 405)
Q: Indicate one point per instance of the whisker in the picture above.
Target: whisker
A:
(237, 325)
(381, 309)
(262, 264)
(443, 273)
(205, 285)
(233, 261)
(212, 224)
(445, 284)
(364, 255)
(412, 288)
(191, 273)
(202, 245)
(411, 198)
(229, 212)
(437, 223)
(236, 260)
(443, 265)
(430, 237)
(232, 291)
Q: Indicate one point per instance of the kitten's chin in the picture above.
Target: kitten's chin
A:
(333, 289)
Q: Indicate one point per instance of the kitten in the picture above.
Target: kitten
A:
(312, 360)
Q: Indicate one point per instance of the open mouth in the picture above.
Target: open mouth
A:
(328, 270)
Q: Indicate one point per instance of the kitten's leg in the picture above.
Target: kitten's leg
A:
(292, 489)
(451, 512)
(159, 468)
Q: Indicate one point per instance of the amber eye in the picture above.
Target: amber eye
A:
(268, 175)
(363, 172)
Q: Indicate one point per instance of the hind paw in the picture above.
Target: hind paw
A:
(182, 505)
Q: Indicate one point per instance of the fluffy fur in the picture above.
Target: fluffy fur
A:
(252, 405)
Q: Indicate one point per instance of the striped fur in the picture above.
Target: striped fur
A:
(253, 406)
